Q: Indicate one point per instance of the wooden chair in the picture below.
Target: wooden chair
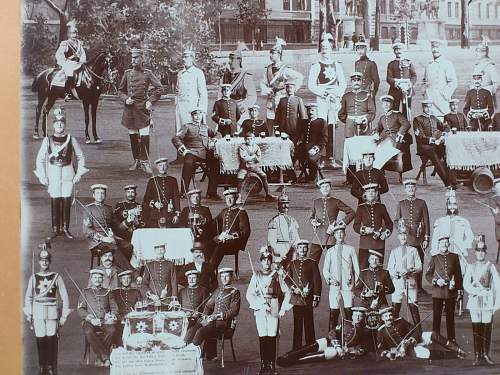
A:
(422, 171)
(227, 334)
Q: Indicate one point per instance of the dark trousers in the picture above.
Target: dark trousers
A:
(437, 312)
(398, 101)
(421, 255)
(329, 143)
(189, 168)
(193, 326)
(224, 248)
(101, 345)
(209, 331)
(434, 155)
(363, 257)
(303, 322)
(316, 251)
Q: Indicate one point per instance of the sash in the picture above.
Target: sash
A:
(237, 80)
(58, 149)
(44, 292)
(277, 74)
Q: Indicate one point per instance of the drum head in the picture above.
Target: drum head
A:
(373, 320)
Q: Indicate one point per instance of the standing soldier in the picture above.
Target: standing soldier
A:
(368, 69)
(70, 56)
(444, 274)
(241, 81)
(282, 232)
(487, 66)
(262, 296)
(394, 126)
(128, 214)
(478, 106)
(304, 281)
(310, 148)
(482, 284)
(232, 229)
(197, 217)
(195, 141)
(373, 224)
(161, 198)
(374, 283)
(440, 80)
(273, 84)
(403, 266)
(327, 82)
(226, 112)
(98, 311)
(324, 216)
(54, 169)
(290, 111)
(126, 298)
(415, 214)
(401, 77)
(191, 90)
(40, 307)
(357, 109)
(368, 175)
(192, 299)
(133, 92)
(341, 272)
(455, 120)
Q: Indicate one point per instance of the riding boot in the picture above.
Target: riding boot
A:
(487, 343)
(262, 356)
(66, 214)
(397, 309)
(334, 318)
(55, 216)
(134, 144)
(415, 316)
(145, 154)
(477, 344)
(41, 344)
(272, 355)
(60, 208)
(293, 357)
(67, 88)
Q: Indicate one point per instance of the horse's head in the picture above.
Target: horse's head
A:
(104, 60)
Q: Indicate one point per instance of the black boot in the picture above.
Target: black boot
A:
(41, 344)
(487, 343)
(135, 146)
(397, 309)
(56, 212)
(477, 344)
(272, 355)
(334, 318)
(262, 346)
(293, 357)
(145, 155)
(415, 316)
(66, 216)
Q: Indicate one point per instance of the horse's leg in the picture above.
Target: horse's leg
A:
(46, 109)
(86, 112)
(93, 108)
(41, 100)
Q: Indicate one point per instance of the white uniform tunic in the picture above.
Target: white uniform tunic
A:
(282, 234)
(401, 260)
(440, 81)
(191, 93)
(341, 272)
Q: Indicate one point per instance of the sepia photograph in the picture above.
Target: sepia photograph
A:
(259, 187)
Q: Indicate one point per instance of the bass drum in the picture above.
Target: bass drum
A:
(373, 320)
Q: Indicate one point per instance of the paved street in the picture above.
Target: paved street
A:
(108, 163)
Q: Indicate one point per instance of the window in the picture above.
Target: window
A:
(496, 11)
(299, 5)
(383, 7)
(286, 4)
(479, 10)
(456, 10)
(391, 7)
(449, 10)
(488, 10)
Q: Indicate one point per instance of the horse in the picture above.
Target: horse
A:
(88, 92)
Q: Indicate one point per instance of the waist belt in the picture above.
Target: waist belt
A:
(46, 300)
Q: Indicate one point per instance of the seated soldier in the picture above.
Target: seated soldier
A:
(220, 310)
(478, 106)
(250, 156)
(348, 339)
(197, 217)
(207, 277)
(159, 281)
(128, 214)
(126, 298)
(98, 221)
(192, 300)
(254, 125)
(98, 310)
(455, 120)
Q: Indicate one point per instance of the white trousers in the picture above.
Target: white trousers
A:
(267, 324)
(336, 295)
(143, 131)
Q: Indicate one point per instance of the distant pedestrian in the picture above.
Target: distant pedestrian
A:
(354, 41)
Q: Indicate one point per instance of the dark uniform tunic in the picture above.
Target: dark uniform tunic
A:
(243, 88)
(226, 109)
(125, 299)
(351, 335)
(368, 176)
(377, 280)
(398, 69)
(390, 125)
(122, 227)
(201, 232)
(193, 299)
(456, 120)
(207, 277)
(445, 266)
(255, 126)
(479, 99)
(167, 188)
(356, 103)
(96, 303)
(391, 337)
(370, 80)
(312, 133)
(303, 274)
(233, 220)
(290, 111)
(425, 128)
(416, 216)
(135, 84)
(159, 275)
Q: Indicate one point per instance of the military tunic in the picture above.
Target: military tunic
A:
(110, 278)
(341, 270)
(207, 277)
(402, 259)
(491, 80)
(416, 216)
(255, 126)
(482, 283)
(313, 133)
(460, 232)
(98, 220)
(191, 92)
(400, 69)
(160, 275)
(195, 137)
(282, 234)
(356, 104)
(224, 110)
(290, 111)
(193, 299)
(456, 121)
(440, 82)
(70, 56)
(54, 161)
(123, 228)
(243, 89)
(479, 100)
(201, 231)
(370, 80)
(167, 188)
(135, 84)
(125, 299)
(391, 336)
(350, 335)
(368, 176)
(377, 280)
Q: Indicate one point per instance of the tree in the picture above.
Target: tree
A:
(328, 23)
(63, 12)
(252, 13)
(213, 13)
(464, 23)
(376, 42)
(404, 11)
(37, 40)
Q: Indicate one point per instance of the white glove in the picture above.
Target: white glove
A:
(44, 181)
(158, 205)
(129, 101)
(148, 105)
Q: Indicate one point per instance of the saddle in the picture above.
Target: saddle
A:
(81, 77)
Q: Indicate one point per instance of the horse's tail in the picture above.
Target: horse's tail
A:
(39, 78)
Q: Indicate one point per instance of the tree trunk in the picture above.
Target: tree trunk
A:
(63, 30)
(220, 34)
(376, 43)
(322, 21)
(464, 24)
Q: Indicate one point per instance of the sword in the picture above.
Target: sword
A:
(81, 293)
